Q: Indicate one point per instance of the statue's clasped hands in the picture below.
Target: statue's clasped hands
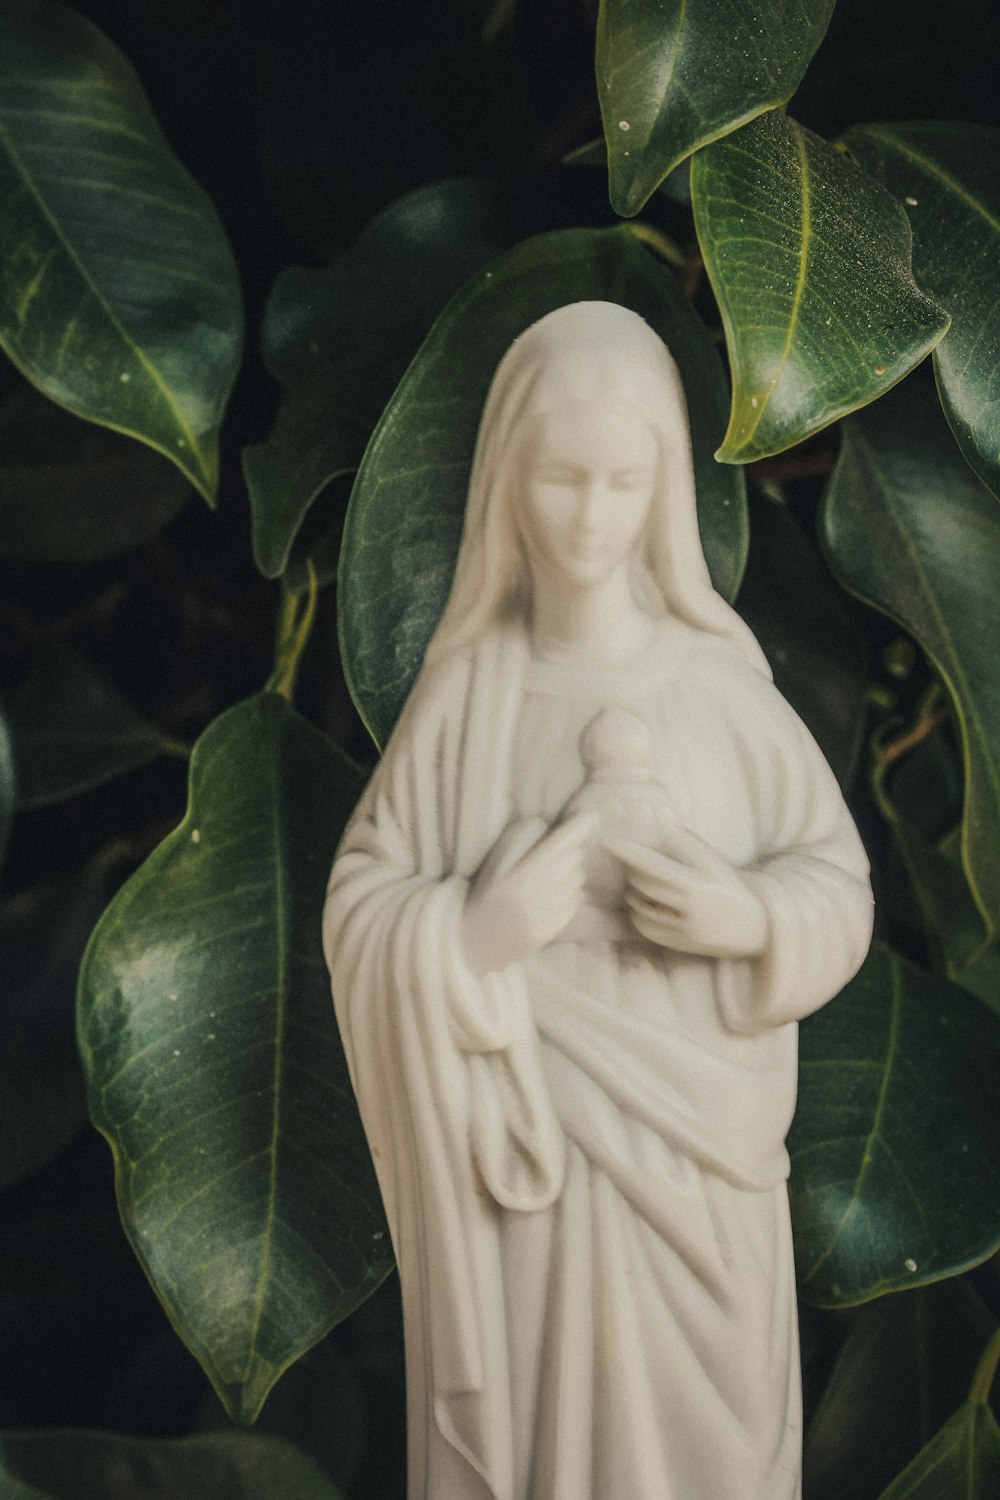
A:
(685, 896)
(689, 898)
(529, 889)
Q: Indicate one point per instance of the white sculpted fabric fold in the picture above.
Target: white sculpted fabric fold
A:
(581, 1148)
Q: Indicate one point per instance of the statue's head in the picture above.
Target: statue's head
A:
(587, 397)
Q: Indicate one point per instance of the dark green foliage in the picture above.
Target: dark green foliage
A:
(382, 189)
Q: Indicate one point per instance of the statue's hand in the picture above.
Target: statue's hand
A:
(690, 899)
(513, 909)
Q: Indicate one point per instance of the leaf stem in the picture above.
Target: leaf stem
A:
(176, 749)
(660, 243)
(295, 623)
(931, 714)
(979, 1391)
(499, 20)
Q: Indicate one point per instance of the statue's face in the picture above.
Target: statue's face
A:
(587, 475)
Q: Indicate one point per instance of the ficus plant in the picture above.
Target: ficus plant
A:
(250, 307)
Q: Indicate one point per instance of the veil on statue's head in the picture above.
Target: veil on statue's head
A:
(586, 351)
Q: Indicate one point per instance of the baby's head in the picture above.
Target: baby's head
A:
(616, 746)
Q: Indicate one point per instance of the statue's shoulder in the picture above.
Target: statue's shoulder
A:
(743, 691)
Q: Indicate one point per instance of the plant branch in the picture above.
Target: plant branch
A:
(295, 623)
(979, 1391)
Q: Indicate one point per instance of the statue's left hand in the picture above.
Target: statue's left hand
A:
(691, 899)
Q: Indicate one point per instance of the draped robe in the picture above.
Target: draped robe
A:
(582, 1156)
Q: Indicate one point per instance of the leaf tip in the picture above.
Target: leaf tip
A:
(244, 1400)
(739, 445)
(630, 186)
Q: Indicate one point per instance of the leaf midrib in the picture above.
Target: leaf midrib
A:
(805, 239)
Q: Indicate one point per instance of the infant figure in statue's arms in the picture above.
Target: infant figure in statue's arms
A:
(625, 804)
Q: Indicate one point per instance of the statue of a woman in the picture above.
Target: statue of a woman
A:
(576, 1088)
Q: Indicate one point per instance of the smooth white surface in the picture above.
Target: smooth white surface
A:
(598, 876)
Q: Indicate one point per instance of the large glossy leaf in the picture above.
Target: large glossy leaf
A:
(673, 76)
(214, 1066)
(904, 1367)
(73, 492)
(43, 933)
(72, 730)
(340, 339)
(909, 528)
(406, 510)
(104, 1466)
(118, 293)
(948, 178)
(814, 644)
(810, 261)
(896, 1141)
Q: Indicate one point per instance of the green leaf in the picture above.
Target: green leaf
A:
(896, 1141)
(381, 296)
(673, 76)
(216, 1466)
(909, 528)
(323, 424)
(953, 927)
(915, 1354)
(43, 933)
(675, 186)
(341, 338)
(948, 178)
(214, 1066)
(73, 730)
(72, 492)
(961, 1463)
(810, 261)
(812, 641)
(118, 294)
(406, 511)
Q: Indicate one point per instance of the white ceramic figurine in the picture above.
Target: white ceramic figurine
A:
(576, 1088)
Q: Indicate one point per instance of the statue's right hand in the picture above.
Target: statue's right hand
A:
(514, 909)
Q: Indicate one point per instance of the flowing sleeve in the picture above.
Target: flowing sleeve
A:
(445, 1063)
(811, 874)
